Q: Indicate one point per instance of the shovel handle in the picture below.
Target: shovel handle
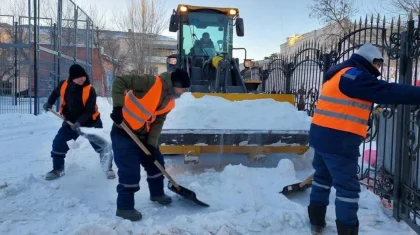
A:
(306, 181)
(146, 151)
(58, 115)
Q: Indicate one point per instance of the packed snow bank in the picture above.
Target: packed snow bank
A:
(242, 200)
(211, 112)
(216, 113)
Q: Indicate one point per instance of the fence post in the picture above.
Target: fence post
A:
(76, 16)
(263, 77)
(36, 54)
(59, 33)
(402, 125)
(56, 59)
(16, 62)
(326, 64)
(289, 72)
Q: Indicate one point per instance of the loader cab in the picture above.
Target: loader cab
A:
(205, 37)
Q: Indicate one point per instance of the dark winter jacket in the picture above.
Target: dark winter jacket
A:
(74, 111)
(141, 84)
(367, 87)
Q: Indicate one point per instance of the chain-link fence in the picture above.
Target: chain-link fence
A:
(39, 41)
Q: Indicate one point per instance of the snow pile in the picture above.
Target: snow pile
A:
(242, 200)
(211, 112)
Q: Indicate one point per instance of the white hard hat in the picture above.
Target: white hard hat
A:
(370, 52)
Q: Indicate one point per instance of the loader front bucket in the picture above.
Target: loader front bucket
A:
(257, 144)
(230, 146)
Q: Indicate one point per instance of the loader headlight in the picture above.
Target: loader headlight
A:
(171, 61)
(183, 8)
(232, 12)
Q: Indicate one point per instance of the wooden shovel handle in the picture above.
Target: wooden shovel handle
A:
(306, 181)
(58, 115)
(146, 151)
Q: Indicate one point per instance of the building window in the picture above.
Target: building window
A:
(153, 70)
(162, 52)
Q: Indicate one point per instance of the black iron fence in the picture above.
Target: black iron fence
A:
(389, 165)
(39, 41)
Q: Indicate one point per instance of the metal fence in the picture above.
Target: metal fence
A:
(38, 44)
(389, 165)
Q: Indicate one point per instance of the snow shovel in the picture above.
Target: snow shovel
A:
(172, 185)
(91, 137)
(298, 187)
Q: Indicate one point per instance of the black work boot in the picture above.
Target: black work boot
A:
(55, 174)
(132, 214)
(58, 169)
(163, 200)
(343, 229)
(317, 218)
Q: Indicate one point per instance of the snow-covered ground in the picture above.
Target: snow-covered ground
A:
(242, 200)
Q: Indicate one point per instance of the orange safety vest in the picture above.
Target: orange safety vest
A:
(85, 96)
(337, 111)
(138, 112)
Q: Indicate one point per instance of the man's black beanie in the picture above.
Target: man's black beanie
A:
(180, 78)
(77, 71)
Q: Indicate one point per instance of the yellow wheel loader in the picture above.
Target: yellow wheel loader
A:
(205, 36)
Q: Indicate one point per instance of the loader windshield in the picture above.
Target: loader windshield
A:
(206, 34)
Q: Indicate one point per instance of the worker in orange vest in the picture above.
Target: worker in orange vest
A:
(143, 108)
(78, 105)
(339, 126)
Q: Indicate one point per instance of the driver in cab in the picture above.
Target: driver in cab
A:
(204, 43)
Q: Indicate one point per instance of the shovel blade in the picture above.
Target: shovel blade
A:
(294, 188)
(96, 139)
(187, 194)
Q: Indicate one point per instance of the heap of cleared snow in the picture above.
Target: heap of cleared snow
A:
(211, 112)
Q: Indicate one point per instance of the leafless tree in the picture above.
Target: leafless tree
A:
(336, 15)
(402, 7)
(110, 48)
(115, 54)
(143, 22)
(273, 56)
(99, 24)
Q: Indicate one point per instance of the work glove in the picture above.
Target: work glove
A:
(150, 158)
(117, 115)
(76, 127)
(47, 106)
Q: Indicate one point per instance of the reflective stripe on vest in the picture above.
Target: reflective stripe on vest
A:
(138, 112)
(85, 97)
(337, 111)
